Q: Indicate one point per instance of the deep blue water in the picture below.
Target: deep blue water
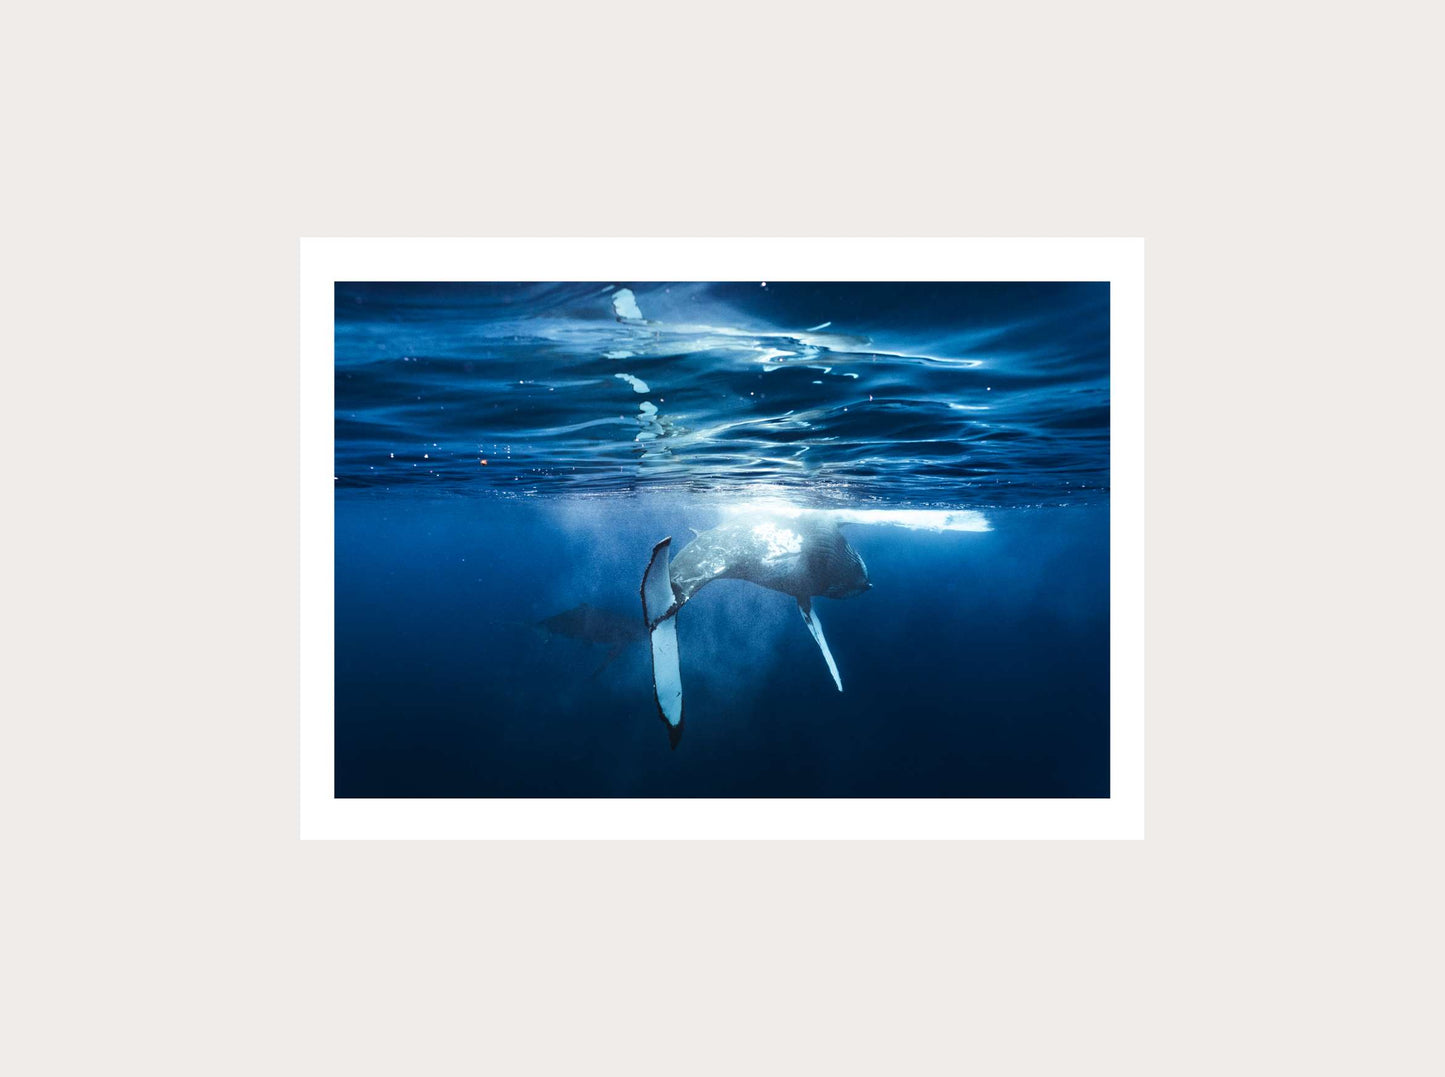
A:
(494, 467)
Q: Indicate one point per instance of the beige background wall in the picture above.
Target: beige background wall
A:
(1282, 160)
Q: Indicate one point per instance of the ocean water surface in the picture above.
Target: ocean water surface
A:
(507, 455)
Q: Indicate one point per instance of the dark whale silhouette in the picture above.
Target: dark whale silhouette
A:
(802, 554)
(601, 627)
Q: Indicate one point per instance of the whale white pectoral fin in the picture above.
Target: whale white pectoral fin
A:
(805, 607)
(659, 610)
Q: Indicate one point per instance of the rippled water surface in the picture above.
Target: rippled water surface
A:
(923, 394)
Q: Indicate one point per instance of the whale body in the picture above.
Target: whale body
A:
(803, 555)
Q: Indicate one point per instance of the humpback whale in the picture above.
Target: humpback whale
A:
(600, 627)
(800, 554)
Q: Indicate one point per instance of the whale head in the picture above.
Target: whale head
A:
(840, 570)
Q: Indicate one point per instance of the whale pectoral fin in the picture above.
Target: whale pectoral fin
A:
(659, 611)
(805, 607)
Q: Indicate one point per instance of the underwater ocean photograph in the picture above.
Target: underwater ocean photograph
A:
(744, 539)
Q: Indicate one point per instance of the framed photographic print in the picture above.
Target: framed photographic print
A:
(795, 538)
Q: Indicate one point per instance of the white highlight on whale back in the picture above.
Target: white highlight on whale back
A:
(781, 541)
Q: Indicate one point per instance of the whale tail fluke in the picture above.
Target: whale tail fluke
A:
(659, 611)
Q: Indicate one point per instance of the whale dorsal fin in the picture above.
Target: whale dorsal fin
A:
(805, 607)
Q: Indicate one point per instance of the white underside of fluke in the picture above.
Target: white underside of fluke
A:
(666, 672)
(811, 620)
(659, 607)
